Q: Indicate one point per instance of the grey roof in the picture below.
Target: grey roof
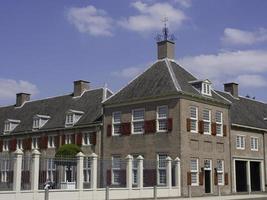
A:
(163, 78)
(247, 112)
(56, 108)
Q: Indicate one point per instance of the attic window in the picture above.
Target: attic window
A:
(206, 88)
(39, 121)
(10, 125)
(203, 86)
(72, 117)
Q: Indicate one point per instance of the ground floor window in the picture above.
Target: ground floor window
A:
(51, 169)
(116, 167)
(220, 172)
(87, 170)
(194, 171)
(161, 169)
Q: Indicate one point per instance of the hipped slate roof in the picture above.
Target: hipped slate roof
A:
(56, 108)
(163, 78)
(247, 112)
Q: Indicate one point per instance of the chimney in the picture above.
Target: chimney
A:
(166, 49)
(231, 88)
(22, 98)
(80, 87)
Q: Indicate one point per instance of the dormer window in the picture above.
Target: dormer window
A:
(10, 125)
(72, 117)
(203, 86)
(39, 121)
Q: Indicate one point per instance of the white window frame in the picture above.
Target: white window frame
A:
(7, 127)
(254, 143)
(36, 123)
(220, 172)
(206, 88)
(115, 169)
(4, 169)
(69, 119)
(206, 121)
(35, 142)
(51, 141)
(19, 144)
(86, 139)
(161, 167)
(138, 121)
(162, 118)
(116, 123)
(219, 123)
(193, 119)
(51, 169)
(239, 145)
(194, 171)
(5, 145)
(68, 138)
(87, 170)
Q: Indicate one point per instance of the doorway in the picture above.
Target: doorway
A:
(207, 174)
(241, 176)
(255, 178)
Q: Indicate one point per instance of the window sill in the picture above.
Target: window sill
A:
(254, 149)
(137, 133)
(86, 145)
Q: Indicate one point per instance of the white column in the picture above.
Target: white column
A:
(234, 177)
(248, 176)
(129, 171)
(35, 169)
(177, 171)
(93, 174)
(262, 176)
(80, 160)
(140, 168)
(169, 172)
(17, 170)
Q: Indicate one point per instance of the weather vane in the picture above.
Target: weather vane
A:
(165, 32)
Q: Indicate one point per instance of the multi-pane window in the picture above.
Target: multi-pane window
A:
(51, 141)
(162, 169)
(162, 118)
(69, 119)
(207, 121)
(4, 169)
(86, 139)
(206, 89)
(240, 142)
(116, 122)
(36, 123)
(5, 145)
(68, 139)
(19, 144)
(194, 171)
(51, 169)
(254, 143)
(207, 164)
(135, 166)
(219, 123)
(7, 127)
(87, 170)
(193, 119)
(220, 172)
(116, 167)
(34, 143)
(138, 117)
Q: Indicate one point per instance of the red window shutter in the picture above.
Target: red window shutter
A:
(201, 127)
(29, 143)
(126, 128)
(224, 130)
(226, 178)
(189, 178)
(57, 141)
(150, 126)
(188, 125)
(62, 139)
(109, 130)
(200, 178)
(213, 129)
(93, 138)
(108, 177)
(24, 144)
(1, 145)
(79, 139)
(40, 142)
(13, 145)
(215, 178)
(73, 139)
(169, 125)
(150, 177)
(45, 142)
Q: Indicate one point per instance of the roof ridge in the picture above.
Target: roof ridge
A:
(174, 79)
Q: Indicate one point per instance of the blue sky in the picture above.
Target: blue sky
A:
(46, 45)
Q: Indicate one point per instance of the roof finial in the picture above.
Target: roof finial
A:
(165, 32)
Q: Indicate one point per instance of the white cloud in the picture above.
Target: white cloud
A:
(249, 80)
(91, 20)
(9, 88)
(228, 65)
(149, 17)
(184, 3)
(128, 73)
(240, 37)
